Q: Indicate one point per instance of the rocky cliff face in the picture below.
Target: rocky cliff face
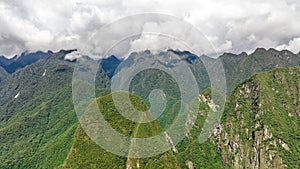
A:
(260, 125)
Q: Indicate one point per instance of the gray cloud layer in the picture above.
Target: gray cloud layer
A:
(231, 25)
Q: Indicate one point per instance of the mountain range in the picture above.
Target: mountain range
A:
(259, 128)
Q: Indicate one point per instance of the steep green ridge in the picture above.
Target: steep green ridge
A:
(261, 123)
(37, 118)
(188, 153)
(86, 154)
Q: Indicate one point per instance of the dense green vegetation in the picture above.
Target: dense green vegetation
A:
(41, 136)
(259, 128)
(37, 119)
(146, 81)
(3, 74)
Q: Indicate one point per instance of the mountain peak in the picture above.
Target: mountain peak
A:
(243, 54)
(260, 50)
(273, 50)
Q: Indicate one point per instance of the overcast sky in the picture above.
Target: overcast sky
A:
(230, 25)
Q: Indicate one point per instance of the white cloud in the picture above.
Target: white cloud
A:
(232, 26)
(293, 45)
(73, 55)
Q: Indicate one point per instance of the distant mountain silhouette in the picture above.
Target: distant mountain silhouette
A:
(26, 58)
